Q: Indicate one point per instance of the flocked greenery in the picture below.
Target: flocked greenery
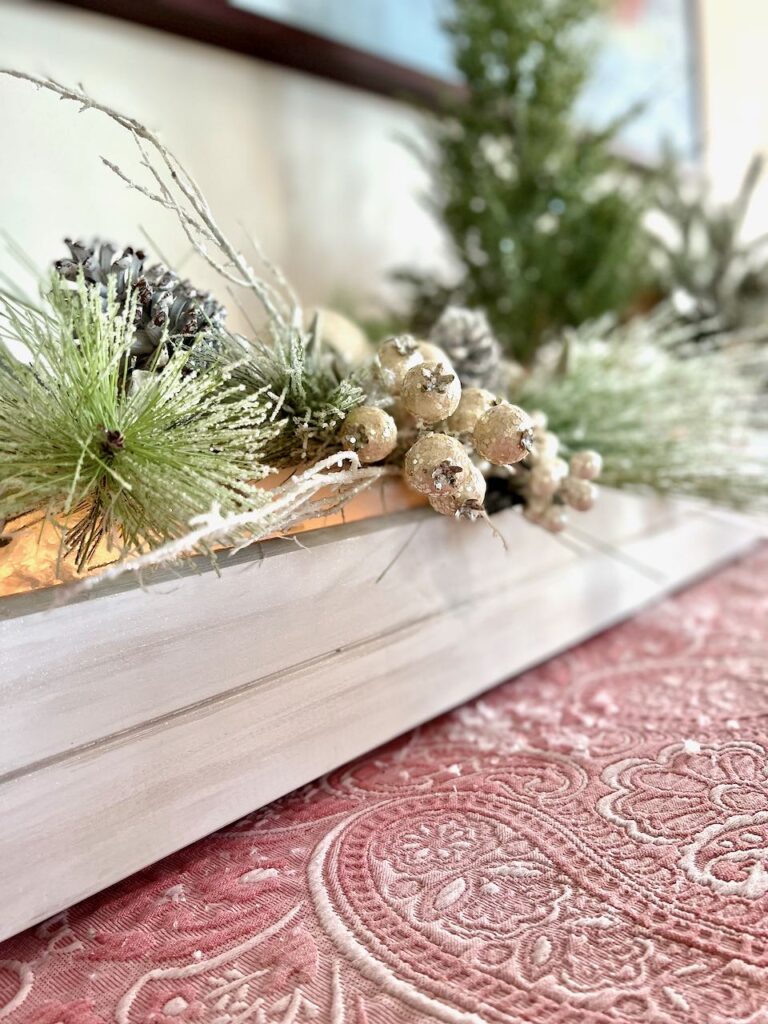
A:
(664, 413)
(105, 460)
(305, 387)
(545, 221)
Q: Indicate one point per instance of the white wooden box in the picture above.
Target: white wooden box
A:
(136, 721)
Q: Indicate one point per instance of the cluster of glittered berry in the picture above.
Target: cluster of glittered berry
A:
(550, 485)
(448, 439)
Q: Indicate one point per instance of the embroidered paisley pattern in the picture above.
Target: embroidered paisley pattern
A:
(588, 843)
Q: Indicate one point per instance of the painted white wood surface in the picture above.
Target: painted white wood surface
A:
(212, 634)
(137, 721)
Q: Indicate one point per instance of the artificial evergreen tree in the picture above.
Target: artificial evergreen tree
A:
(543, 216)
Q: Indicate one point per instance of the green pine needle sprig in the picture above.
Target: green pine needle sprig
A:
(104, 459)
(306, 389)
(545, 219)
(665, 415)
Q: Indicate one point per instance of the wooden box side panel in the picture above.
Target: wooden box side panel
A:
(87, 816)
(76, 674)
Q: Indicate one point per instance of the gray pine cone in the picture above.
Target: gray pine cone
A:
(170, 312)
(467, 339)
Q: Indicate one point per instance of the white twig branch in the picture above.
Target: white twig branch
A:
(183, 197)
(294, 502)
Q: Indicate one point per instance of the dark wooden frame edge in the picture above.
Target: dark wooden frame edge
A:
(217, 23)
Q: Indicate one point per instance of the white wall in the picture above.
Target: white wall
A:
(734, 42)
(315, 170)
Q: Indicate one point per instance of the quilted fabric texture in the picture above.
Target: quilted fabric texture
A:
(588, 843)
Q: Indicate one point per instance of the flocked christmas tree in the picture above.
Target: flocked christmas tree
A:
(544, 217)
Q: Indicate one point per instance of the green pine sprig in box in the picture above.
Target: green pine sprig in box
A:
(306, 387)
(102, 456)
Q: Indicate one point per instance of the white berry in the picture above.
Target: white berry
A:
(546, 445)
(554, 519)
(545, 477)
(504, 434)
(586, 465)
(436, 464)
(579, 494)
(370, 432)
(396, 356)
(466, 502)
(431, 391)
(474, 403)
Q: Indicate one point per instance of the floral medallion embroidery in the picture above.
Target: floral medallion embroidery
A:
(732, 857)
(709, 800)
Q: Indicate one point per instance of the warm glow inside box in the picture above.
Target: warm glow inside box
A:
(32, 561)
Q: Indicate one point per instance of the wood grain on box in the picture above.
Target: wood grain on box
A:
(134, 722)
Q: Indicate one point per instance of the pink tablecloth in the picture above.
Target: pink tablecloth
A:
(587, 843)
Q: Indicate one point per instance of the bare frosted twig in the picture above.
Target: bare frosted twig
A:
(178, 192)
(294, 502)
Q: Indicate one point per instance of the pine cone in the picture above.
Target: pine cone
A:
(170, 313)
(467, 339)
